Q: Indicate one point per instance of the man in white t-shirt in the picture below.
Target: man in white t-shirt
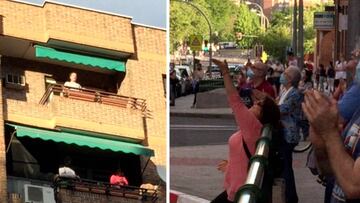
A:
(65, 171)
(340, 70)
(72, 84)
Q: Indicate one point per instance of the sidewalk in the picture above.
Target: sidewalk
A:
(183, 108)
(193, 171)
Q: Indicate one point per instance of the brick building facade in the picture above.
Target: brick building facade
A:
(123, 107)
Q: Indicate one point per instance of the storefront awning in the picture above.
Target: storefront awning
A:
(46, 52)
(82, 140)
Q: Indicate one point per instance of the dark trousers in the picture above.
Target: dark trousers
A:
(329, 188)
(196, 90)
(172, 94)
(286, 151)
(221, 198)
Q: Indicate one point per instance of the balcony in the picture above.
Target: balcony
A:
(69, 190)
(83, 110)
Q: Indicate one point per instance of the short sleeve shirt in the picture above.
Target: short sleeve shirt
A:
(72, 85)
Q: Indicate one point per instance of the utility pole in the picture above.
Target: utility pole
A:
(301, 35)
(294, 40)
(353, 32)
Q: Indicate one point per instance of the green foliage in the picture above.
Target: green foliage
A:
(247, 23)
(278, 37)
(185, 21)
(275, 41)
(225, 17)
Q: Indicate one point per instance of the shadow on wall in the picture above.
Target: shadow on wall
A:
(135, 55)
(1, 25)
(151, 176)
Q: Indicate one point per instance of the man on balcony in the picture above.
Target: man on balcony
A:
(72, 84)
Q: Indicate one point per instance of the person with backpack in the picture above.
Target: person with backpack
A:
(243, 142)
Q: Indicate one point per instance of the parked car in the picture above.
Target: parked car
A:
(227, 45)
(185, 83)
(184, 70)
(215, 72)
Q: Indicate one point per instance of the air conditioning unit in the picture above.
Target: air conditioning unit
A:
(38, 194)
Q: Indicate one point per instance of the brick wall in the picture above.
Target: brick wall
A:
(144, 79)
(63, 111)
(325, 46)
(3, 178)
(68, 24)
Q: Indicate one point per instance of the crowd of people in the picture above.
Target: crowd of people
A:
(320, 103)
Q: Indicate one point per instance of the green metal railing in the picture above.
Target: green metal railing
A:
(253, 190)
(207, 85)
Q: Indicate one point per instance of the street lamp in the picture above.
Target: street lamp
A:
(261, 11)
(208, 22)
(267, 23)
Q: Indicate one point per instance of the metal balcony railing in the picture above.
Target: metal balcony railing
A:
(101, 188)
(90, 95)
(251, 191)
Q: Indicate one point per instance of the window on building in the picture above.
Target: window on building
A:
(164, 83)
(15, 79)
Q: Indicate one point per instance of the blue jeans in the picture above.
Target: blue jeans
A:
(286, 151)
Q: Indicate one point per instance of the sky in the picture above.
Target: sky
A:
(147, 12)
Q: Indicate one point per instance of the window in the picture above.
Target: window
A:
(15, 79)
(164, 83)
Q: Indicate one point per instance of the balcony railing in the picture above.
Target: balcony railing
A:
(68, 187)
(90, 95)
(101, 188)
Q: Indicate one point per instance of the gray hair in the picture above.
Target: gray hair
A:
(295, 74)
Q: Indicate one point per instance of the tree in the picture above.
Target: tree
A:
(278, 37)
(185, 21)
(247, 23)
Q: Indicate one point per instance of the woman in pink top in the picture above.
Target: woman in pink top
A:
(119, 179)
(250, 122)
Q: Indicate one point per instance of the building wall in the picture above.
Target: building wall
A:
(23, 106)
(3, 179)
(143, 78)
(66, 23)
(325, 47)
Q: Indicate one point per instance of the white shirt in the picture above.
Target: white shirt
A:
(67, 172)
(293, 62)
(72, 84)
(283, 95)
(340, 70)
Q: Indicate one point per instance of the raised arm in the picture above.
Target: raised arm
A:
(323, 116)
(245, 119)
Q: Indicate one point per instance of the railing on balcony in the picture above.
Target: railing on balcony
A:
(102, 188)
(90, 95)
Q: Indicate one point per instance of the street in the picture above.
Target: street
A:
(198, 144)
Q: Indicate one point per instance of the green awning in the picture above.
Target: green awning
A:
(46, 52)
(82, 140)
